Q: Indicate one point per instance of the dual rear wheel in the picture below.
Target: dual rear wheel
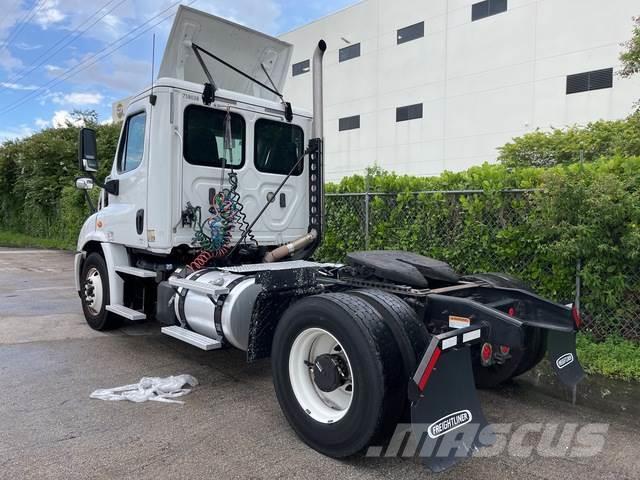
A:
(339, 371)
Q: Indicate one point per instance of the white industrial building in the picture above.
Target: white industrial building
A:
(422, 86)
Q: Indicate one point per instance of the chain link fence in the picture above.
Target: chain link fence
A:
(477, 231)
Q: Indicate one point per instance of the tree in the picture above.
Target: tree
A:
(630, 58)
(84, 118)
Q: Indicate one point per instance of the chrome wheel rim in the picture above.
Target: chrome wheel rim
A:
(93, 291)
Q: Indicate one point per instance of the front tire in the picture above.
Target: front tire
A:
(94, 294)
(337, 340)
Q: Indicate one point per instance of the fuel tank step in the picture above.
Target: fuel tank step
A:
(126, 312)
(200, 287)
(136, 272)
(192, 338)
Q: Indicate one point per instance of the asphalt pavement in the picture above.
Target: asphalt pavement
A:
(229, 427)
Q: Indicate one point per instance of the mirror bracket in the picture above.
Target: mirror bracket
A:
(112, 187)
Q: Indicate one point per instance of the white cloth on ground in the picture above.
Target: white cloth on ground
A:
(150, 388)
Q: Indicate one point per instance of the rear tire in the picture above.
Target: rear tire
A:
(535, 350)
(409, 332)
(374, 366)
(94, 294)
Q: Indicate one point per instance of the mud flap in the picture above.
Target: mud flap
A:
(561, 347)
(446, 418)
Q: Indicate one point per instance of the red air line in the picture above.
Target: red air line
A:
(429, 369)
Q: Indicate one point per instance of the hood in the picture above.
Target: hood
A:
(240, 46)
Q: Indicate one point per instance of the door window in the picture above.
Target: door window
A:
(278, 147)
(132, 143)
(204, 137)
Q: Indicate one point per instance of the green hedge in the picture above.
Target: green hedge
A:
(37, 193)
(570, 145)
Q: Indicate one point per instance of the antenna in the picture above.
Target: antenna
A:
(152, 97)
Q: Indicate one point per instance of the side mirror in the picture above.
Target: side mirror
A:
(84, 183)
(87, 151)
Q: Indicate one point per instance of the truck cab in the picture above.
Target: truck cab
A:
(171, 155)
(211, 133)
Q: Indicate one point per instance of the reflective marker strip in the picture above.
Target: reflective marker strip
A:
(449, 342)
(427, 371)
(467, 337)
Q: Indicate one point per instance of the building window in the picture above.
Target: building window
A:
(411, 32)
(410, 112)
(132, 143)
(278, 147)
(204, 131)
(349, 123)
(487, 8)
(594, 80)
(347, 53)
(301, 67)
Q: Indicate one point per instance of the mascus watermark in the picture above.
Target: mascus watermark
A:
(516, 440)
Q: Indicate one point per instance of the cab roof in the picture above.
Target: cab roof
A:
(225, 95)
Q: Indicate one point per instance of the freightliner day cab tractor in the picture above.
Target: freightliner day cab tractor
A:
(208, 223)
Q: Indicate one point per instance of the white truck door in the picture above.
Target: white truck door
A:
(123, 219)
(277, 146)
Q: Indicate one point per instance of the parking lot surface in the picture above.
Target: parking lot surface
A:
(229, 427)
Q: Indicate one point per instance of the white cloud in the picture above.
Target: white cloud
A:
(48, 14)
(27, 46)
(53, 68)
(62, 118)
(14, 133)
(7, 61)
(17, 86)
(77, 99)
(41, 123)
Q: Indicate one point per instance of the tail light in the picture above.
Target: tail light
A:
(486, 352)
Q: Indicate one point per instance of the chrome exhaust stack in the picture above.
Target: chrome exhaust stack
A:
(316, 69)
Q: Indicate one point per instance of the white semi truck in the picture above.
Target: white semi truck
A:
(208, 222)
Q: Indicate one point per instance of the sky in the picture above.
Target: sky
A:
(61, 55)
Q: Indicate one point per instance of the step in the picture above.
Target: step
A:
(200, 287)
(126, 312)
(136, 272)
(192, 338)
